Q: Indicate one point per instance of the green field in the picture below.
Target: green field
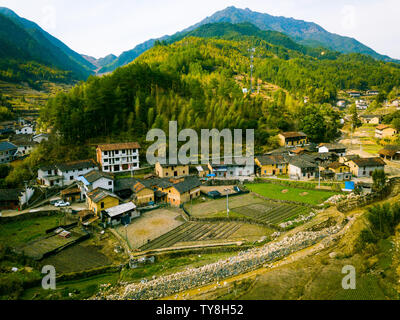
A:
(20, 232)
(275, 191)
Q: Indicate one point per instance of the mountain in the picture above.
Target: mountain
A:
(25, 42)
(101, 62)
(305, 33)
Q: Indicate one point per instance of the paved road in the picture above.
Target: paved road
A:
(12, 213)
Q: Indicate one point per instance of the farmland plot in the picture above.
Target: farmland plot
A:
(271, 212)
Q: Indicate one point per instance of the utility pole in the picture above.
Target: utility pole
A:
(227, 202)
(252, 51)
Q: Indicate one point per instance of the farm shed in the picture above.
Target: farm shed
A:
(121, 214)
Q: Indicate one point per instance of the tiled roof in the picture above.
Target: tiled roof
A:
(271, 159)
(336, 164)
(188, 184)
(99, 194)
(6, 146)
(390, 150)
(293, 134)
(119, 146)
(95, 175)
(369, 162)
(76, 165)
(383, 127)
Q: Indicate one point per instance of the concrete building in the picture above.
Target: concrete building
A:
(7, 151)
(118, 157)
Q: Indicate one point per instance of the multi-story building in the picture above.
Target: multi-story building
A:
(292, 139)
(171, 170)
(118, 157)
(364, 167)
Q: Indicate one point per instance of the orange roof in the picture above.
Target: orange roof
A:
(119, 146)
(293, 134)
(383, 127)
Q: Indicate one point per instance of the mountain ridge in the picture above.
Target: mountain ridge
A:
(305, 33)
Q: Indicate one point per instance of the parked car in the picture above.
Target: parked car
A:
(62, 204)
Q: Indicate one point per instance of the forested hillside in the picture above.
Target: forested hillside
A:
(29, 54)
(193, 81)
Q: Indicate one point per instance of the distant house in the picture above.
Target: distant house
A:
(118, 157)
(370, 119)
(64, 174)
(292, 139)
(390, 152)
(202, 171)
(342, 172)
(385, 131)
(364, 167)
(171, 170)
(272, 165)
(339, 149)
(300, 169)
(361, 104)
(7, 151)
(100, 199)
(354, 94)
(372, 92)
(25, 146)
(341, 104)
(25, 129)
(233, 170)
(71, 195)
(39, 138)
(121, 214)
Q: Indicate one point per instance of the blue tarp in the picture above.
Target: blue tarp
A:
(349, 185)
(211, 175)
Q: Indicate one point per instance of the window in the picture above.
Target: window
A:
(102, 205)
(71, 178)
(110, 183)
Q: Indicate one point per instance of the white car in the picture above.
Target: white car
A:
(62, 204)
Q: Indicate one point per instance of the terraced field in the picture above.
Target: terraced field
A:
(271, 212)
(194, 231)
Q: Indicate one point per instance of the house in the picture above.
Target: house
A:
(171, 170)
(341, 104)
(118, 157)
(7, 151)
(390, 152)
(123, 187)
(95, 179)
(100, 199)
(202, 171)
(292, 139)
(143, 193)
(25, 146)
(233, 170)
(39, 138)
(370, 119)
(339, 149)
(341, 171)
(64, 174)
(183, 190)
(71, 195)
(372, 92)
(361, 104)
(385, 131)
(354, 94)
(121, 214)
(9, 199)
(25, 129)
(346, 158)
(272, 165)
(364, 167)
(301, 169)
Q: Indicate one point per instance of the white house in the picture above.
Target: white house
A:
(232, 170)
(300, 169)
(118, 157)
(340, 150)
(40, 137)
(26, 129)
(64, 174)
(95, 179)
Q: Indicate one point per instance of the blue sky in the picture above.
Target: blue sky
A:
(100, 27)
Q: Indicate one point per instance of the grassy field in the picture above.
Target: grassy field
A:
(278, 192)
(21, 232)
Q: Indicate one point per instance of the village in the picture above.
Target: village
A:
(132, 212)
